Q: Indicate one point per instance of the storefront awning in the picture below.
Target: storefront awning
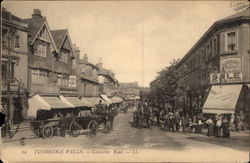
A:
(104, 97)
(222, 99)
(116, 99)
(76, 102)
(92, 101)
(56, 103)
(37, 103)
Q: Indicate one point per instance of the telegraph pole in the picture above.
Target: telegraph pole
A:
(142, 56)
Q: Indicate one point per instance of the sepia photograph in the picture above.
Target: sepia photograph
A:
(125, 81)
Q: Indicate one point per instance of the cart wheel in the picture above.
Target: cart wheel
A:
(93, 127)
(74, 128)
(47, 132)
(108, 126)
(57, 131)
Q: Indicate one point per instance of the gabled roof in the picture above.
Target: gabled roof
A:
(35, 26)
(59, 38)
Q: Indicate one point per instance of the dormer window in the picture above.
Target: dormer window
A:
(64, 56)
(40, 50)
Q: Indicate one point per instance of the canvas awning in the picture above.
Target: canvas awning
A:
(37, 103)
(76, 102)
(116, 99)
(222, 99)
(104, 97)
(56, 103)
(93, 100)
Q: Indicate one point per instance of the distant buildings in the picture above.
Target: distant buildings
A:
(107, 81)
(127, 90)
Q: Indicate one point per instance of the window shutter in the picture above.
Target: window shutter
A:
(236, 39)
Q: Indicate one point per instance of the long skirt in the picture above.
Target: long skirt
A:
(226, 132)
(210, 131)
(217, 131)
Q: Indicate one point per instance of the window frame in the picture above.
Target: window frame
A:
(235, 40)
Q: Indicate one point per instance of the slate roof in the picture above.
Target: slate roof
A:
(244, 13)
(34, 25)
(58, 36)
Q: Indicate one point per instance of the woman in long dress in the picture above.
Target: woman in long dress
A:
(210, 131)
(225, 127)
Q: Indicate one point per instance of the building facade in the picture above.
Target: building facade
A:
(14, 61)
(220, 56)
(107, 83)
(129, 89)
(51, 58)
(88, 85)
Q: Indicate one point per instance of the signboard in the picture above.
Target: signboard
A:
(231, 69)
(214, 78)
(72, 81)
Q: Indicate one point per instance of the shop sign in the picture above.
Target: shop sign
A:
(231, 69)
(72, 81)
(214, 78)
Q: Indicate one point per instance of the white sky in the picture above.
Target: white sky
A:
(112, 30)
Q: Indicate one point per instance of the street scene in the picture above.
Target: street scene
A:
(107, 81)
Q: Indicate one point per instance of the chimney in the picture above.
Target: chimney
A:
(85, 58)
(37, 14)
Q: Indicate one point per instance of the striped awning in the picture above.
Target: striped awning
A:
(222, 99)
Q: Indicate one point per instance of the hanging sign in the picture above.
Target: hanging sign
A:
(72, 81)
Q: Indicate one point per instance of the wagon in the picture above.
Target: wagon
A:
(91, 123)
(45, 128)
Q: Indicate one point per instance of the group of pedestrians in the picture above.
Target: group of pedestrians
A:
(218, 126)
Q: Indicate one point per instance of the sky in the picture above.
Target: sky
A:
(119, 32)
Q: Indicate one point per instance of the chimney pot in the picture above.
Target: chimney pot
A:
(37, 12)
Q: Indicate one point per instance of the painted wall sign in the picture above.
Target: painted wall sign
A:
(231, 69)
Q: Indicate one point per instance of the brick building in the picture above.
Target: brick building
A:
(221, 56)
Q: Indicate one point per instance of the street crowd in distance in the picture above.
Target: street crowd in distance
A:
(145, 114)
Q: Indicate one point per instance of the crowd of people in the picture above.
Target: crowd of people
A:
(218, 125)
